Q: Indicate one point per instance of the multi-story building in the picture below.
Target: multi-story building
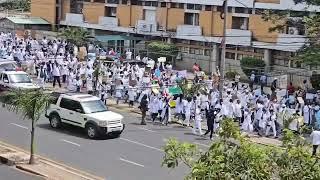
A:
(195, 26)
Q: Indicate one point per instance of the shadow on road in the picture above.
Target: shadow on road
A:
(73, 131)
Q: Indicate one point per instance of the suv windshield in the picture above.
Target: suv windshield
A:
(93, 106)
(19, 78)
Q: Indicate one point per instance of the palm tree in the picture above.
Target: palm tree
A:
(30, 104)
(75, 35)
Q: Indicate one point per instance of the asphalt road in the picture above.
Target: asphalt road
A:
(9, 173)
(136, 155)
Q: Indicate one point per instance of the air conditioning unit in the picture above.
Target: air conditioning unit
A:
(145, 27)
(293, 31)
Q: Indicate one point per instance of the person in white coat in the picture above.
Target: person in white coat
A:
(315, 137)
(198, 119)
(271, 123)
(154, 108)
(237, 111)
(306, 114)
(263, 121)
(247, 123)
(132, 94)
(187, 110)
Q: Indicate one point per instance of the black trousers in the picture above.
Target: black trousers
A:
(64, 78)
(56, 78)
(314, 149)
(210, 129)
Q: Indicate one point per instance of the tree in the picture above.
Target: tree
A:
(248, 64)
(308, 54)
(160, 49)
(75, 35)
(233, 156)
(31, 105)
(23, 5)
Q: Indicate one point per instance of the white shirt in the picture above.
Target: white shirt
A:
(56, 70)
(315, 136)
(237, 110)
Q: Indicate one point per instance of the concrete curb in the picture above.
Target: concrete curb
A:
(64, 167)
(31, 171)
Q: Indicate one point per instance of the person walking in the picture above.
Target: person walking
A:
(144, 108)
(315, 137)
(271, 123)
(56, 74)
(210, 122)
(198, 119)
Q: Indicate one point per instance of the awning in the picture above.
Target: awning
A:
(106, 38)
(28, 20)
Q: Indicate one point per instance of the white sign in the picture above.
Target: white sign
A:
(162, 59)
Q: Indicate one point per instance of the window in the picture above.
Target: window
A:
(124, 1)
(230, 55)
(94, 107)
(19, 78)
(163, 4)
(220, 8)
(70, 104)
(207, 52)
(191, 19)
(100, 1)
(230, 9)
(240, 23)
(177, 5)
(151, 3)
(110, 11)
(208, 8)
(194, 6)
(113, 1)
(5, 77)
(240, 10)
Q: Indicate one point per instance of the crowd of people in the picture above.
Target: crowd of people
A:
(148, 87)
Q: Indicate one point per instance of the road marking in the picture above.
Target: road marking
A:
(141, 144)
(201, 144)
(70, 142)
(149, 130)
(131, 162)
(24, 127)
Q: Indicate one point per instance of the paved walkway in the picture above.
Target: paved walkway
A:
(10, 173)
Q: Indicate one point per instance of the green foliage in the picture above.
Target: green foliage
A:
(75, 35)
(161, 49)
(248, 64)
(191, 90)
(235, 157)
(231, 74)
(23, 5)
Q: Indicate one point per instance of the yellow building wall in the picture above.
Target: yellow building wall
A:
(123, 14)
(136, 14)
(218, 23)
(162, 17)
(92, 12)
(205, 22)
(65, 8)
(175, 18)
(45, 9)
(269, 1)
(260, 29)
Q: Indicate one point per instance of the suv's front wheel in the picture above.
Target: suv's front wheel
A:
(92, 131)
(55, 121)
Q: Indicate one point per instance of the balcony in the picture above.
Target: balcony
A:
(108, 21)
(72, 18)
(146, 26)
(290, 42)
(189, 30)
(239, 37)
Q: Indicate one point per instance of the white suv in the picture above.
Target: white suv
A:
(85, 111)
(16, 80)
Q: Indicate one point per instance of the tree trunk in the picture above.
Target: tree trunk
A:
(31, 160)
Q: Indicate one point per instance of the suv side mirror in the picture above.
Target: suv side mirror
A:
(79, 110)
(5, 80)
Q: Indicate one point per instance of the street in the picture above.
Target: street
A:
(136, 155)
(9, 173)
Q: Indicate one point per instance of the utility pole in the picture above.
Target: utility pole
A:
(223, 47)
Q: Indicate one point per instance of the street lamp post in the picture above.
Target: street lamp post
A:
(223, 47)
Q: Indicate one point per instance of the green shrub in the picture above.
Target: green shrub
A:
(231, 74)
(315, 81)
(158, 49)
(249, 64)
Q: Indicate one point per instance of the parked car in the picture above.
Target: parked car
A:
(8, 65)
(84, 111)
(16, 80)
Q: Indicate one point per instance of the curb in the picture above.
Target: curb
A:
(67, 168)
(31, 171)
